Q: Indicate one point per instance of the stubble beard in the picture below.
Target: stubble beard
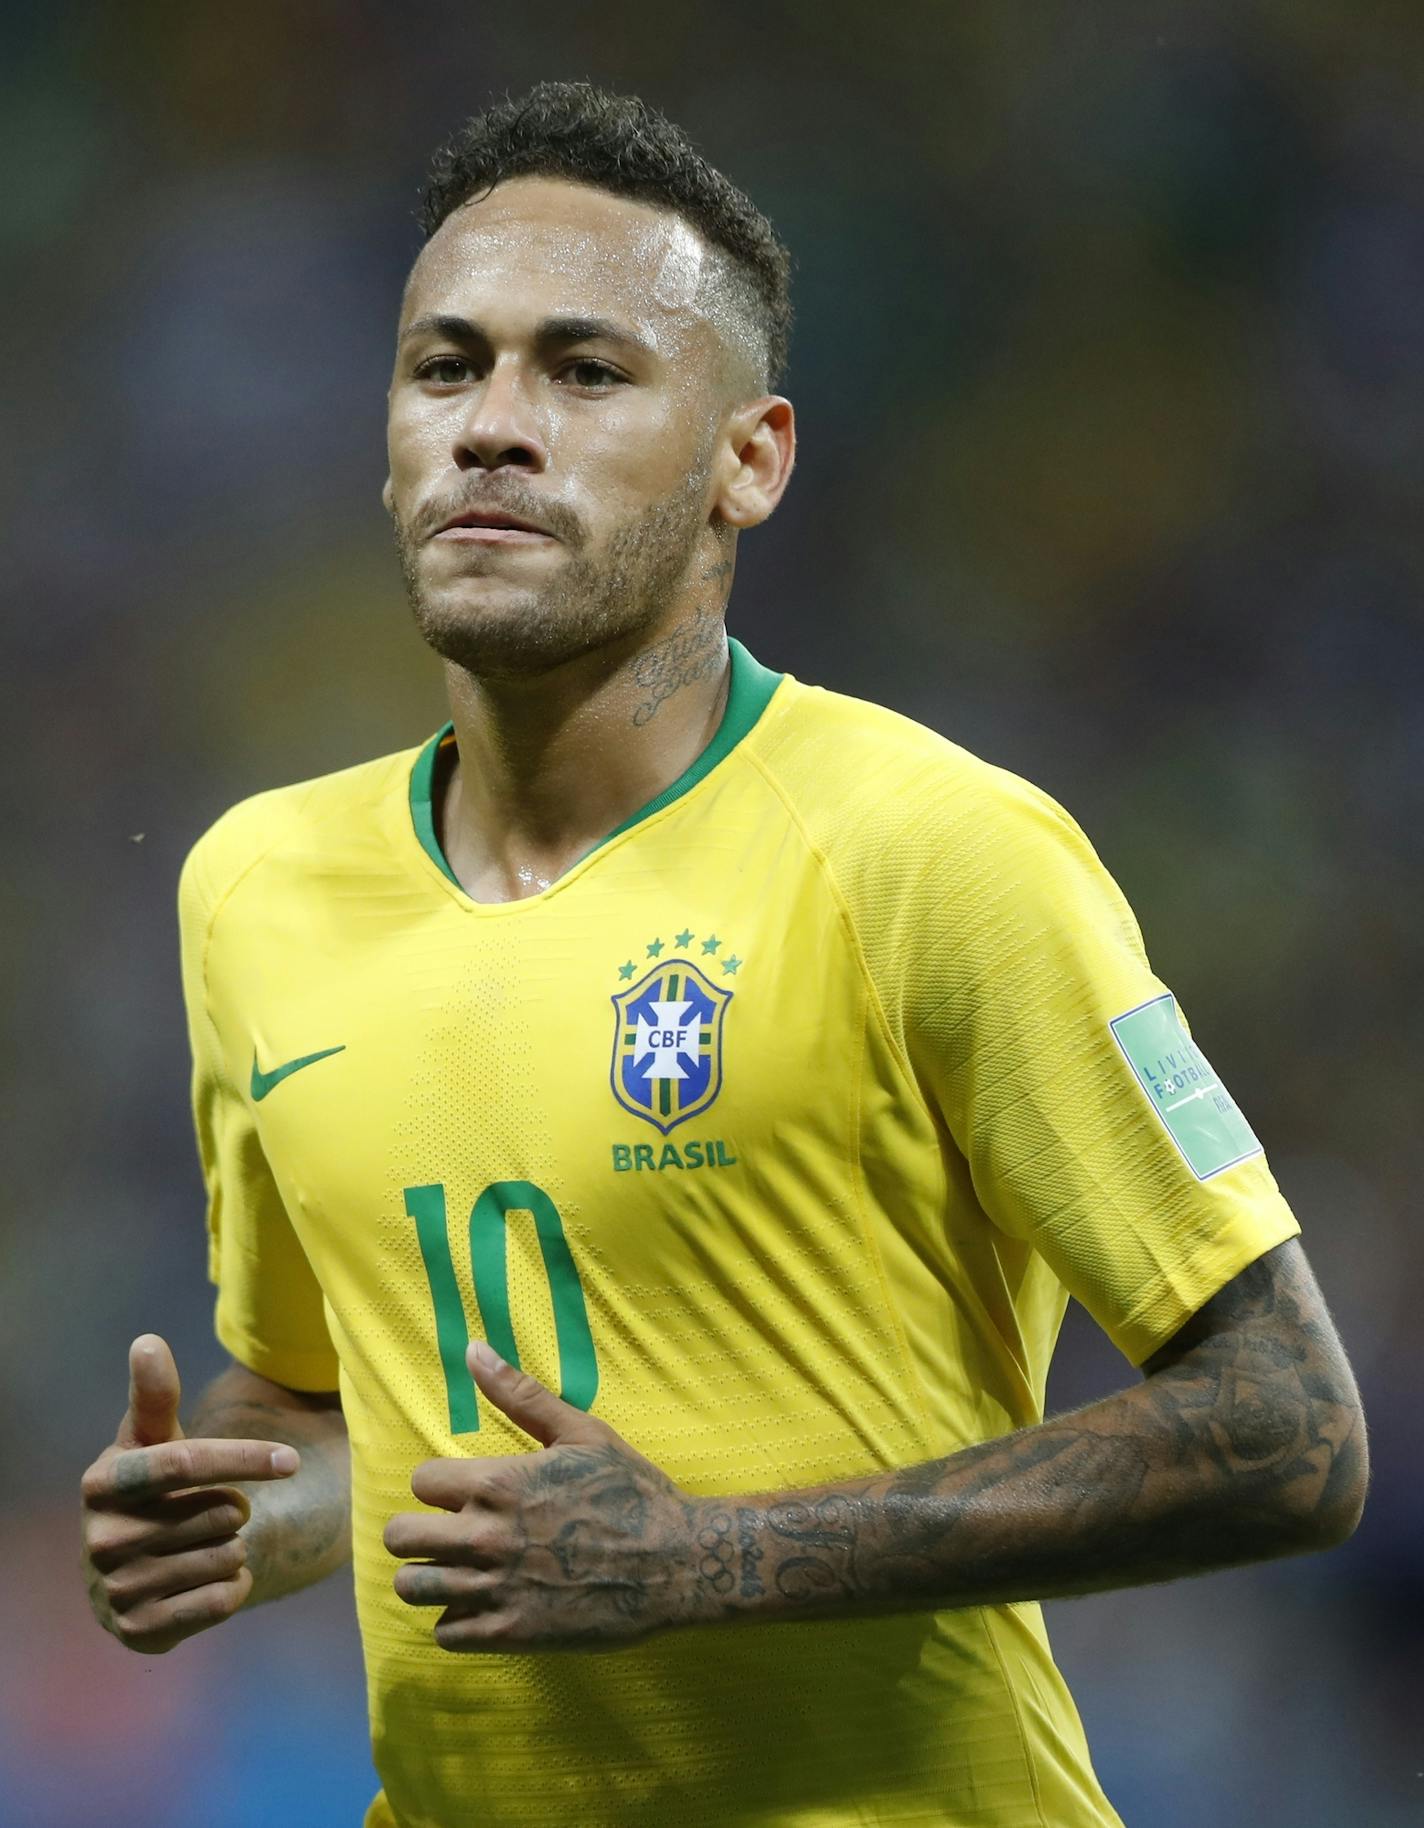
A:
(623, 591)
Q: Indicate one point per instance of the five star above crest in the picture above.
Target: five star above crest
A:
(711, 946)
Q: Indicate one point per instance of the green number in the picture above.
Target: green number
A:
(426, 1205)
(489, 1260)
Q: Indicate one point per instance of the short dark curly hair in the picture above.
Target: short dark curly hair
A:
(618, 143)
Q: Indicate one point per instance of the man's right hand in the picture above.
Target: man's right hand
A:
(162, 1554)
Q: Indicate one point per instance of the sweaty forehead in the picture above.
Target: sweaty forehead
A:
(538, 247)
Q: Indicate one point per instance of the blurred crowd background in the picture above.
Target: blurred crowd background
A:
(1110, 373)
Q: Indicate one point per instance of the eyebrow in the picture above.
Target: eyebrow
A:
(550, 332)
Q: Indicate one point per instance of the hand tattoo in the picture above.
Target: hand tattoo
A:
(581, 1546)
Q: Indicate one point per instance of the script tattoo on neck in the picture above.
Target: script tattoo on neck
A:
(689, 653)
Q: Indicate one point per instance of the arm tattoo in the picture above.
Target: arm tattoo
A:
(1244, 1441)
(300, 1528)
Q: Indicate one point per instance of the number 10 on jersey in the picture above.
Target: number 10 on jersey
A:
(489, 1262)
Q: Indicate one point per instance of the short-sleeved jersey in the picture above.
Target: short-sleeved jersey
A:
(775, 1133)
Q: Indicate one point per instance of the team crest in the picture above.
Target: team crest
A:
(667, 1045)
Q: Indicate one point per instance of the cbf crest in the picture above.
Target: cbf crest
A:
(667, 1042)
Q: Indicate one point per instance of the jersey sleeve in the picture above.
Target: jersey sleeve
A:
(270, 1314)
(1093, 1128)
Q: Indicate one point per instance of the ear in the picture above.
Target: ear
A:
(388, 496)
(759, 454)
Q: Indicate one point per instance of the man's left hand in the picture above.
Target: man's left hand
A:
(582, 1546)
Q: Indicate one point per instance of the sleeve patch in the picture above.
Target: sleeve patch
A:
(1197, 1111)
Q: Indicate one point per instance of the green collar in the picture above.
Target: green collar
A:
(748, 695)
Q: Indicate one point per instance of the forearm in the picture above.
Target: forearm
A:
(1239, 1449)
(299, 1530)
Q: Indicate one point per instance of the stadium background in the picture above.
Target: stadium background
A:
(1110, 371)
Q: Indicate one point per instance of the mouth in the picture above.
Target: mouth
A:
(491, 526)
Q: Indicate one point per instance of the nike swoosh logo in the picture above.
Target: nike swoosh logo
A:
(262, 1083)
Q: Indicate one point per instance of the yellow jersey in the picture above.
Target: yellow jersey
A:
(775, 1132)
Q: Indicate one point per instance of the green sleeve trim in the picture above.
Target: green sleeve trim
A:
(749, 693)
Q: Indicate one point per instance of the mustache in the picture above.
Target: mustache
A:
(499, 498)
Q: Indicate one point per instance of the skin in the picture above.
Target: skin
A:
(1244, 1441)
(586, 670)
(181, 1531)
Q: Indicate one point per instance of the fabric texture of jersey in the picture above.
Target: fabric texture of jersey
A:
(775, 1132)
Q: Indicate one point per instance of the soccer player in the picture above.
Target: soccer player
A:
(656, 1123)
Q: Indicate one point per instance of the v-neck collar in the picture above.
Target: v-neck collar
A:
(748, 694)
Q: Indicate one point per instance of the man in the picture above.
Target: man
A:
(656, 1122)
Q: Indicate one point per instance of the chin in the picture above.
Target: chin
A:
(502, 633)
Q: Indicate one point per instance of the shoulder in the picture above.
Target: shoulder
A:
(876, 790)
(302, 828)
(928, 845)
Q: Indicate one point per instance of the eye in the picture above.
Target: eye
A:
(594, 375)
(437, 368)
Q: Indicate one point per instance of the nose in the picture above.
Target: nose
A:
(501, 425)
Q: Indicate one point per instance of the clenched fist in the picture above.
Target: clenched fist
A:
(161, 1515)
